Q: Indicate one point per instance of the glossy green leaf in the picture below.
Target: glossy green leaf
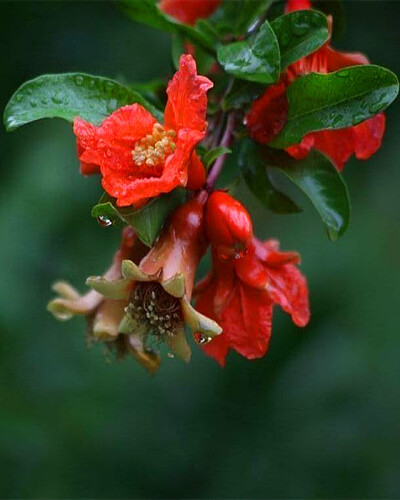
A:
(316, 176)
(255, 174)
(211, 155)
(255, 60)
(69, 95)
(336, 100)
(238, 16)
(242, 93)
(299, 33)
(147, 12)
(147, 221)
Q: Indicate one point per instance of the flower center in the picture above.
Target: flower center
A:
(152, 150)
(152, 305)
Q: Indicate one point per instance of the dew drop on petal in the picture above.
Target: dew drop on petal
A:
(79, 80)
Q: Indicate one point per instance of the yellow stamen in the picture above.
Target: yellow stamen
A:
(153, 149)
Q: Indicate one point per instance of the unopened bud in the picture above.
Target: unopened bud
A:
(228, 225)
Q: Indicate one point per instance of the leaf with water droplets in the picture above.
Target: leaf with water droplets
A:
(147, 221)
(257, 179)
(299, 33)
(255, 60)
(335, 100)
(69, 95)
(317, 177)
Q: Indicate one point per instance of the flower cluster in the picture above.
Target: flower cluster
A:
(159, 171)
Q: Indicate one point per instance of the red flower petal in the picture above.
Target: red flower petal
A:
(127, 125)
(196, 173)
(337, 144)
(338, 60)
(288, 288)
(268, 114)
(187, 97)
(292, 5)
(86, 144)
(301, 150)
(368, 136)
(188, 11)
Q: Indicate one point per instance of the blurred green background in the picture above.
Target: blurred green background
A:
(319, 416)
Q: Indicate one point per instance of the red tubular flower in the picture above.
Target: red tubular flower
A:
(140, 158)
(228, 225)
(188, 11)
(240, 295)
(269, 113)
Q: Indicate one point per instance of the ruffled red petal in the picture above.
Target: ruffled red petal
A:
(368, 136)
(301, 150)
(337, 60)
(86, 145)
(188, 11)
(292, 5)
(338, 145)
(187, 97)
(268, 114)
(288, 288)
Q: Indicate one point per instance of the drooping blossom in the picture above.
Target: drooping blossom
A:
(159, 289)
(268, 114)
(240, 296)
(189, 11)
(103, 315)
(243, 286)
(140, 158)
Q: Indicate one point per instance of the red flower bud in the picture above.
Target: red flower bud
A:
(228, 225)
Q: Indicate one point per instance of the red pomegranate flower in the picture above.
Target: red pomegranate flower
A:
(140, 158)
(240, 296)
(188, 11)
(268, 114)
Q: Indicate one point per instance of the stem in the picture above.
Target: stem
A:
(219, 163)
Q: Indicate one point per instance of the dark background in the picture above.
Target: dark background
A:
(319, 416)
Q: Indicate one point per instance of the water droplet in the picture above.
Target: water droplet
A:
(104, 221)
(375, 108)
(336, 120)
(19, 97)
(109, 85)
(202, 339)
(44, 100)
(315, 19)
(299, 27)
(170, 355)
(57, 98)
(108, 153)
(359, 117)
(92, 84)
(33, 103)
(343, 74)
(79, 80)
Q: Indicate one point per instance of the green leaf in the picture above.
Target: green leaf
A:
(211, 155)
(256, 60)
(299, 33)
(147, 221)
(320, 181)
(241, 93)
(257, 179)
(238, 16)
(335, 100)
(69, 95)
(147, 12)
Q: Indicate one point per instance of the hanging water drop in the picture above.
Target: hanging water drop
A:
(79, 80)
(104, 221)
(202, 339)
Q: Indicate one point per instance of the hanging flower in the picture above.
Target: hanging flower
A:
(240, 295)
(140, 158)
(268, 114)
(159, 289)
(188, 11)
(104, 316)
